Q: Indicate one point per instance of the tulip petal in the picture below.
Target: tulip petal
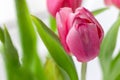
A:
(108, 2)
(83, 42)
(61, 19)
(54, 6)
(70, 20)
(74, 4)
(116, 3)
(86, 14)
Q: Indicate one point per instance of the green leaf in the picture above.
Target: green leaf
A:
(96, 12)
(1, 35)
(52, 71)
(115, 67)
(53, 45)
(10, 57)
(27, 32)
(118, 77)
(108, 46)
(52, 23)
(31, 61)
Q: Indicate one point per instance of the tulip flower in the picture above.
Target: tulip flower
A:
(80, 33)
(116, 3)
(113, 2)
(55, 5)
(108, 2)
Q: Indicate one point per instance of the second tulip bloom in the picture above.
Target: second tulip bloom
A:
(113, 2)
(80, 33)
(55, 5)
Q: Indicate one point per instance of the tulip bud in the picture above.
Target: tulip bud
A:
(80, 33)
(55, 5)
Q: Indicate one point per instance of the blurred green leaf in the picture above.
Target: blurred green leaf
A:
(10, 56)
(31, 61)
(27, 32)
(108, 46)
(1, 35)
(118, 77)
(52, 71)
(96, 12)
(54, 47)
(52, 23)
(115, 67)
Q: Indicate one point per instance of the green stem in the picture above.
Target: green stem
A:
(83, 71)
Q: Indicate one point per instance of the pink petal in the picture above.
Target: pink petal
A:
(74, 4)
(84, 13)
(83, 42)
(116, 3)
(70, 20)
(61, 19)
(108, 2)
(54, 6)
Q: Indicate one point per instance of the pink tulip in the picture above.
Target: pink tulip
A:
(55, 5)
(113, 2)
(80, 33)
(108, 2)
(116, 3)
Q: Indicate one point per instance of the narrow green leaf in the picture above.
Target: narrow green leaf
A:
(54, 47)
(31, 61)
(27, 33)
(108, 45)
(115, 61)
(1, 35)
(96, 12)
(118, 77)
(109, 42)
(65, 75)
(115, 67)
(11, 58)
(52, 23)
(10, 50)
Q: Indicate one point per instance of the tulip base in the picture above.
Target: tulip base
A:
(83, 71)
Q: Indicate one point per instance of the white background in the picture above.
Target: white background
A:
(38, 7)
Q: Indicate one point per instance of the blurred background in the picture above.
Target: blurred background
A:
(38, 8)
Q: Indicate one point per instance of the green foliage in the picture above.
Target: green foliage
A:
(1, 35)
(118, 77)
(31, 62)
(53, 45)
(53, 23)
(60, 66)
(106, 52)
(115, 68)
(27, 32)
(98, 11)
(10, 56)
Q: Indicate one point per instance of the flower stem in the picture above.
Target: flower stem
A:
(83, 71)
